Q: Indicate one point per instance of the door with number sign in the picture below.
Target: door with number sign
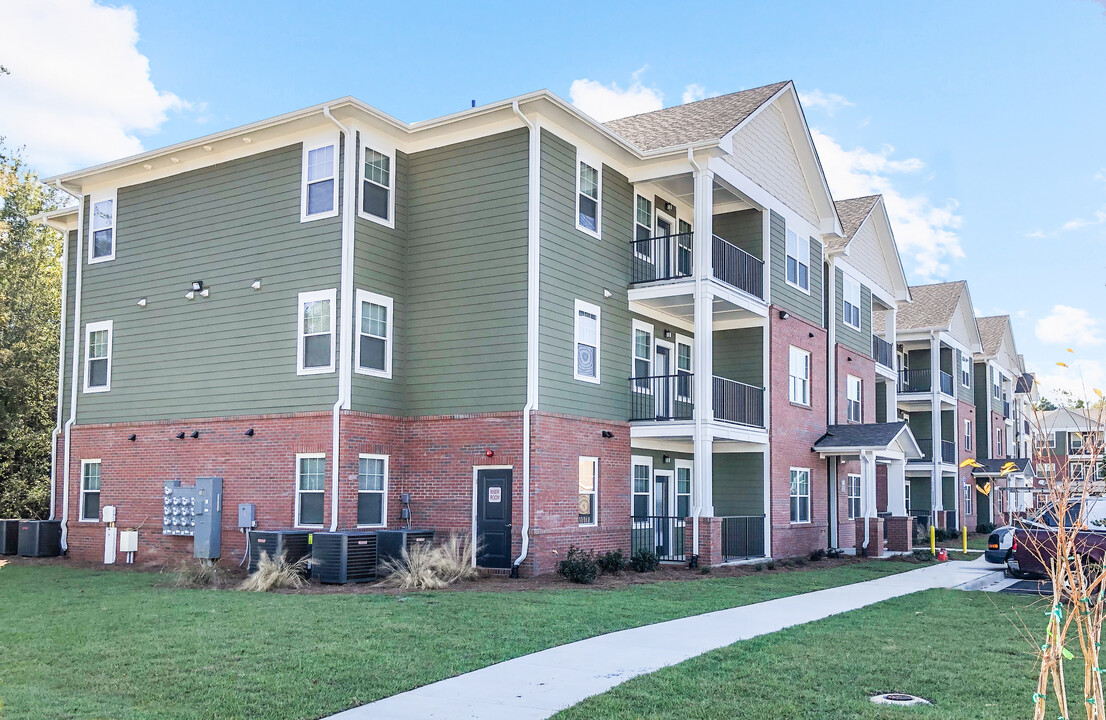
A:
(493, 518)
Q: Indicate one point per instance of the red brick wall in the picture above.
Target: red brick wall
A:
(965, 411)
(881, 488)
(792, 435)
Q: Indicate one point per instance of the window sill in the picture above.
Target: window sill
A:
(378, 220)
(314, 371)
(372, 527)
(593, 381)
(82, 520)
(596, 234)
(799, 522)
(589, 525)
(91, 390)
(384, 374)
(800, 288)
(97, 261)
(318, 216)
(803, 406)
(309, 527)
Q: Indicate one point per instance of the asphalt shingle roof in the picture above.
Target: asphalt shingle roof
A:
(1025, 383)
(708, 119)
(1072, 419)
(991, 331)
(994, 467)
(931, 306)
(866, 435)
(852, 212)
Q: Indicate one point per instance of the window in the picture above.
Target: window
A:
(310, 483)
(996, 384)
(1047, 469)
(90, 490)
(374, 334)
(683, 490)
(102, 247)
(1078, 471)
(643, 228)
(968, 497)
(798, 261)
(589, 490)
(97, 364)
(319, 182)
(372, 490)
(1075, 441)
(967, 434)
(906, 493)
(683, 368)
(800, 495)
(643, 469)
(998, 442)
(853, 399)
(683, 249)
(851, 309)
(965, 370)
(315, 351)
(854, 496)
(643, 356)
(588, 180)
(799, 376)
(376, 185)
(586, 366)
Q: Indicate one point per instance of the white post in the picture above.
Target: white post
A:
(892, 398)
(896, 488)
(703, 354)
(936, 501)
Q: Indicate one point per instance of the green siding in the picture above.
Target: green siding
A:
(466, 276)
(744, 228)
(738, 355)
(857, 340)
(982, 409)
(380, 266)
(948, 493)
(920, 495)
(881, 402)
(808, 306)
(231, 353)
(920, 426)
(966, 394)
(917, 359)
(948, 425)
(738, 484)
(574, 265)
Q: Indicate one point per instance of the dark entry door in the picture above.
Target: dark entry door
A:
(493, 518)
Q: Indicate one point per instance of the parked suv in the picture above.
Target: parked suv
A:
(1034, 541)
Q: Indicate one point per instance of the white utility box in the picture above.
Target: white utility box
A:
(128, 541)
(108, 513)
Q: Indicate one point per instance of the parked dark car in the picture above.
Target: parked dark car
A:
(998, 545)
(1034, 541)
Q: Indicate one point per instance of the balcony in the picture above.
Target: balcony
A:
(660, 534)
(883, 352)
(742, 537)
(919, 381)
(664, 398)
(948, 450)
(669, 257)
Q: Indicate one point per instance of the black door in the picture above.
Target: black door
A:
(493, 518)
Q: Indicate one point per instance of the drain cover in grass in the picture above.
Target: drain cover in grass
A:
(902, 699)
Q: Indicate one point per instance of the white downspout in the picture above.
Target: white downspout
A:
(345, 357)
(533, 265)
(61, 373)
(74, 367)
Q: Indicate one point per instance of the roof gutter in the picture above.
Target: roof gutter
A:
(533, 267)
(345, 357)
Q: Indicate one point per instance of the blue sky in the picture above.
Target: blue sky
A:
(981, 121)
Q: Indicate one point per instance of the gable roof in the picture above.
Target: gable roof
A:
(991, 331)
(933, 306)
(852, 438)
(1077, 419)
(708, 119)
(853, 212)
(993, 467)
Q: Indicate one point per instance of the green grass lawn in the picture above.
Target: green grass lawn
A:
(960, 650)
(81, 643)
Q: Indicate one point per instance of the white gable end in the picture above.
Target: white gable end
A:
(866, 254)
(963, 326)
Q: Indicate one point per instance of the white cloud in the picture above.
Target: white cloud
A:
(1075, 382)
(1101, 174)
(1080, 223)
(86, 95)
(607, 102)
(925, 231)
(1069, 326)
(830, 102)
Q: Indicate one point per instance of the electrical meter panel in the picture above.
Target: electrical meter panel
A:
(194, 511)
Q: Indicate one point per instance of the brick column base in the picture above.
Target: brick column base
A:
(875, 537)
(939, 519)
(710, 540)
(900, 533)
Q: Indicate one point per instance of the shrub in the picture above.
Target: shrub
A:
(946, 535)
(645, 561)
(758, 567)
(986, 528)
(198, 574)
(430, 567)
(579, 566)
(770, 565)
(923, 555)
(705, 570)
(818, 555)
(612, 561)
(276, 574)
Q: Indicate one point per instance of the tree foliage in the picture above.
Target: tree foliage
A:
(30, 298)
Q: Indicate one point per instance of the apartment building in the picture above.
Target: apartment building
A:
(512, 322)
(1072, 443)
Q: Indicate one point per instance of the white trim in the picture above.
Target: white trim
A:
(809, 493)
(802, 247)
(849, 283)
(643, 326)
(646, 461)
(298, 491)
(849, 496)
(371, 142)
(83, 492)
(968, 434)
(364, 296)
(475, 494)
(689, 465)
(595, 163)
(595, 310)
(303, 298)
(637, 243)
(809, 373)
(317, 142)
(594, 491)
(383, 493)
(107, 196)
(859, 384)
(690, 344)
(89, 328)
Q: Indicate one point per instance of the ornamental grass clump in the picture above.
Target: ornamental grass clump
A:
(430, 567)
(198, 574)
(278, 574)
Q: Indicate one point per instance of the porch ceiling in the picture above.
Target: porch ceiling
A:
(683, 188)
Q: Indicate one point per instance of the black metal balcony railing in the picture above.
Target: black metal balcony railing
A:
(948, 451)
(735, 267)
(738, 402)
(883, 352)
(660, 534)
(914, 380)
(742, 537)
(669, 257)
(946, 382)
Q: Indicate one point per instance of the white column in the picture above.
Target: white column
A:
(767, 500)
(896, 488)
(892, 398)
(703, 354)
(935, 421)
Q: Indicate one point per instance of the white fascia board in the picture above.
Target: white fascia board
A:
(749, 188)
(851, 270)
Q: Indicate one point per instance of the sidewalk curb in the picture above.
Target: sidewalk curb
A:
(990, 578)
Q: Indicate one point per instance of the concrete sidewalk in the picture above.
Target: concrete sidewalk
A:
(539, 685)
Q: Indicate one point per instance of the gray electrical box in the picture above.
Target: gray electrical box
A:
(246, 516)
(195, 512)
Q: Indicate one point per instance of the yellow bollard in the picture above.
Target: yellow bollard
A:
(964, 534)
(932, 539)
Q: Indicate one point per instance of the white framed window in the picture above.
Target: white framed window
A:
(996, 384)
(800, 495)
(683, 248)
(969, 496)
(906, 494)
(589, 205)
(319, 179)
(1046, 469)
(643, 228)
(850, 309)
(90, 491)
(310, 484)
(683, 488)
(377, 176)
(967, 434)
(798, 388)
(372, 490)
(588, 318)
(589, 491)
(639, 485)
(998, 442)
(798, 261)
(101, 233)
(965, 370)
(1078, 471)
(374, 334)
(853, 400)
(854, 496)
(98, 338)
(1075, 443)
(683, 368)
(643, 356)
(315, 343)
